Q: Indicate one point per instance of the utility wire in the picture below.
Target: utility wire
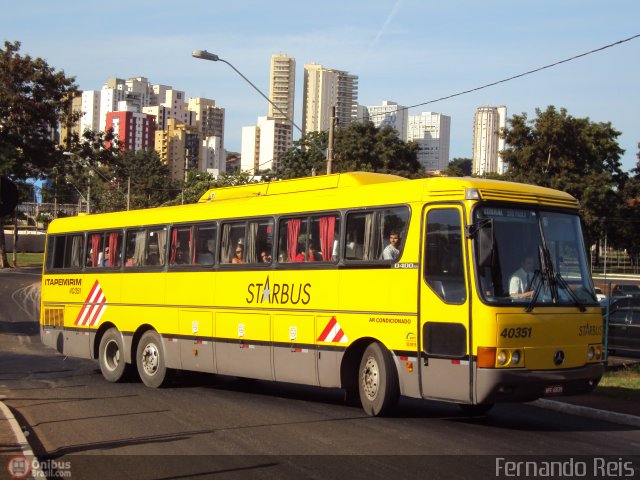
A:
(619, 42)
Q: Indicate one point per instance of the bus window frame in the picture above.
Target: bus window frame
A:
(316, 265)
(48, 268)
(245, 221)
(144, 268)
(375, 263)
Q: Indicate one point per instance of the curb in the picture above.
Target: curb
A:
(614, 417)
(22, 442)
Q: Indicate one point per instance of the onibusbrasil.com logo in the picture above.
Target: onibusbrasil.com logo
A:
(21, 467)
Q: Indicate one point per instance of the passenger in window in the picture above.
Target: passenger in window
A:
(300, 254)
(520, 283)
(181, 257)
(239, 254)
(205, 257)
(153, 258)
(314, 255)
(265, 257)
(391, 251)
(105, 259)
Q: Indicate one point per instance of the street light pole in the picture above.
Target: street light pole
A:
(204, 55)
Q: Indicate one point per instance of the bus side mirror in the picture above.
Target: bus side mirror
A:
(485, 244)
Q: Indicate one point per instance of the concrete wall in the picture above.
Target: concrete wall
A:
(26, 242)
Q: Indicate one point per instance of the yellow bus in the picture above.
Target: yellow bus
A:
(456, 289)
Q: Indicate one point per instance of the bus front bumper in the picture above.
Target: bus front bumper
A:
(520, 385)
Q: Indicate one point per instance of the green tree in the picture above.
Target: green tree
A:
(459, 167)
(305, 156)
(34, 98)
(627, 225)
(363, 147)
(151, 185)
(571, 154)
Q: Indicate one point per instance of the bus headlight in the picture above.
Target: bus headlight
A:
(502, 357)
(591, 353)
(594, 353)
(515, 357)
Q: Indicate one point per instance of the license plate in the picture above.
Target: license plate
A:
(553, 390)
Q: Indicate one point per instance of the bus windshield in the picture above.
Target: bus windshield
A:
(531, 257)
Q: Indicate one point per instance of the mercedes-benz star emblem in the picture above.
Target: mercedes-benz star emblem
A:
(558, 357)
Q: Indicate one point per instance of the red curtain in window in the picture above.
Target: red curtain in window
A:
(95, 248)
(173, 247)
(112, 261)
(293, 230)
(327, 235)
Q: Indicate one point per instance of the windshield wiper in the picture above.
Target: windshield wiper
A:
(563, 284)
(546, 278)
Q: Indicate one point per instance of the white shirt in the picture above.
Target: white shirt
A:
(390, 253)
(519, 281)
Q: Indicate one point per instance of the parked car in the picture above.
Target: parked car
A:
(626, 291)
(624, 325)
(600, 296)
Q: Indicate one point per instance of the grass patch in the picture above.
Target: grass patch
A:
(27, 259)
(622, 381)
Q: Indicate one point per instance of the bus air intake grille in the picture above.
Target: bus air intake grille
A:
(537, 198)
(53, 317)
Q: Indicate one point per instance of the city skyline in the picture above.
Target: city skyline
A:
(408, 51)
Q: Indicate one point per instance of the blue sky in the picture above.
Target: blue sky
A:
(407, 51)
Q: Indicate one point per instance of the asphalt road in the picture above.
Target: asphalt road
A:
(209, 426)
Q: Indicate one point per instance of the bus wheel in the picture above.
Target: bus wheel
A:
(378, 380)
(150, 360)
(111, 356)
(475, 410)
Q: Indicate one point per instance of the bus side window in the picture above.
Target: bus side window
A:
(205, 244)
(67, 252)
(180, 246)
(444, 265)
(369, 232)
(259, 243)
(232, 243)
(156, 247)
(134, 248)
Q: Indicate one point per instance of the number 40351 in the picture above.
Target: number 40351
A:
(519, 332)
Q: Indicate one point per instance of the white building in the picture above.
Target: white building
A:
(325, 88)
(388, 114)
(174, 106)
(263, 144)
(487, 143)
(90, 119)
(212, 156)
(432, 132)
(112, 92)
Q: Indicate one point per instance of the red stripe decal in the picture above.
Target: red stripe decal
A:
(327, 329)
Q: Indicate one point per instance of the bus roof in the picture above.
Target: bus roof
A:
(345, 190)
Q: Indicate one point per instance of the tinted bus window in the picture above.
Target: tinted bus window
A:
(205, 244)
(104, 250)
(376, 234)
(245, 242)
(309, 239)
(65, 251)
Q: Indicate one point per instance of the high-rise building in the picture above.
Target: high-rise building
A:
(487, 143)
(134, 131)
(432, 132)
(90, 119)
(174, 106)
(388, 114)
(68, 128)
(179, 148)
(209, 120)
(264, 144)
(282, 87)
(112, 92)
(326, 88)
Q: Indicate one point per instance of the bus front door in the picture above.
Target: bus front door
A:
(444, 308)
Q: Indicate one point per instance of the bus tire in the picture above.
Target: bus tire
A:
(150, 360)
(377, 380)
(111, 356)
(475, 410)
